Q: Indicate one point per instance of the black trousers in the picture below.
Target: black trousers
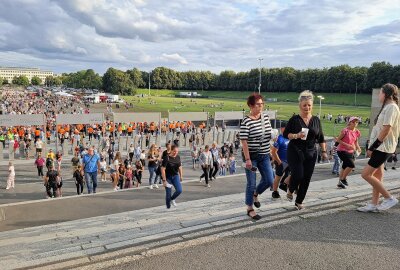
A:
(51, 186)
(214, 169)
(40, 170)
(79, 187)
(206, 173)
(301, 173)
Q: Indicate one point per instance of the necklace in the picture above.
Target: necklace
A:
(306, 119)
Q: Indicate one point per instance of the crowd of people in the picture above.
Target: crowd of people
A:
(275, 158)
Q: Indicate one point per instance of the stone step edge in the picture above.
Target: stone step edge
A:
(214, 233)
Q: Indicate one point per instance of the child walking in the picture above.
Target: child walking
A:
(11, 176)
(78, 180)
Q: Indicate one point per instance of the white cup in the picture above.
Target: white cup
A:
(305, 131)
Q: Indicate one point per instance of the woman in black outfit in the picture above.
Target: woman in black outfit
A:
(303, 131)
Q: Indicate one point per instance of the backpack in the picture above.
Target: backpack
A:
(49, 162)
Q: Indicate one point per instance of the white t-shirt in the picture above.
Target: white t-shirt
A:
(115, 165)
(390, 115)
(39, 144)
(103, 165)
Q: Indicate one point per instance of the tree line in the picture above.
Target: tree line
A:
(337, 79)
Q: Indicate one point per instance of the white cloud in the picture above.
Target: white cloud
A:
(174, 58)
(191, 34)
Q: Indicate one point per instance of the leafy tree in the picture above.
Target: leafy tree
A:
(118, 82)
(36, 80)
(378, 74)
(1, 81)
(5, 81)
(136, 78)
(21, 80)
(53, 81)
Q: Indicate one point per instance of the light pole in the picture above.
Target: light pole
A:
(149, 81)
(259, 79)
(320, 99)
(355, 96)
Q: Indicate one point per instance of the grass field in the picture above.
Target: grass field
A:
(330, 98)
(284, 110)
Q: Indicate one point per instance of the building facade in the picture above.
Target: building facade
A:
(10, 72)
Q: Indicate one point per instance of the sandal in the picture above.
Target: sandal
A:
(299, 206)
(289, 197)
(257, 204)
(256, 217)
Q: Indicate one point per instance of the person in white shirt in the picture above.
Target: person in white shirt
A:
(11, 176)
(383, 142)
(206, 162)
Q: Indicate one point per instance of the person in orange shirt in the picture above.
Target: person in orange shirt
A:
(119, 129)
(90, 132)
(48, 134)
(21, 133)
(37, 134)
(130, 130)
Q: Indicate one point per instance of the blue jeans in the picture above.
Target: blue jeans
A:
(336, 164)
(175, 181)
(91, 181)
(267, 178)
(152, 178)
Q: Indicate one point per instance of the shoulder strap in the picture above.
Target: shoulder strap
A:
(262, 128)
(86, 163)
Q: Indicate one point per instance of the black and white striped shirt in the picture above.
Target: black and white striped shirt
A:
(251, 131)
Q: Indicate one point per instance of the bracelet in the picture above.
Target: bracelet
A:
(323, 151)
(248, 159)
(294, 136)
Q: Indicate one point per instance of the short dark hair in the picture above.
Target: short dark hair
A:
(251, 100)
(173, 147)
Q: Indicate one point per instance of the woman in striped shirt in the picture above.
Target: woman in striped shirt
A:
(255, 135)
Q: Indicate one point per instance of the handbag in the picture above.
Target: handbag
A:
(254, 155)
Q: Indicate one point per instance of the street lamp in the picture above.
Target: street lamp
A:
(259, 80)
(320, 98)
(149, 81)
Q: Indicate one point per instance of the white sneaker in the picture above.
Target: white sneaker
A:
(151, 187)
(173, 203)
(368, 208)
(115, 189)
(156, 186)
(387, 203)
(208, 185)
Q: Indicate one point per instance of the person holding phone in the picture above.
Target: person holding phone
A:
(304, 131)
(255, 136)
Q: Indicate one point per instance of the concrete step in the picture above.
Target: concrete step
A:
(86, 237)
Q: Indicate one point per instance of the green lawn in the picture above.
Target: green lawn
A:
(330, 98)
(284, 109)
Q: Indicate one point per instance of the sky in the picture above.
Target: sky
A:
(71, 35)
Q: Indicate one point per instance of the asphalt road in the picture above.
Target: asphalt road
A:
(345, 240)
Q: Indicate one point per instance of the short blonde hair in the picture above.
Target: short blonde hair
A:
(306, 94)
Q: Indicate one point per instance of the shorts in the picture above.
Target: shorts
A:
(281, 169)
(112, 171)
(38, 150)
(347, 159)
(378, 158)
